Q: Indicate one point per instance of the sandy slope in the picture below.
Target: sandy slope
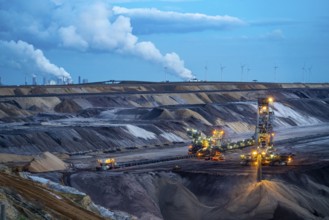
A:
(5, 158)
(46, 162)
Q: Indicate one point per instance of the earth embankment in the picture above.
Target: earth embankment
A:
(204, 196)
(78, 119)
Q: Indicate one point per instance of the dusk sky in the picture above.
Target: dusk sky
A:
(224, 40)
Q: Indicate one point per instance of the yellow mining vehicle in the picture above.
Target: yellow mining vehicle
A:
(106, 164)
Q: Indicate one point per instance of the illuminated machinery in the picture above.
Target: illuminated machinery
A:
(203, 146)
(217, 137)
(264, 130)
(205, 151)
(263, 152)
(106, 164)
(218, 142)
(212, 146)
(196, 144)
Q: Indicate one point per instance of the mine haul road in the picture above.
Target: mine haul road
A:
(204, 179)
(303, 160)
(309, 144)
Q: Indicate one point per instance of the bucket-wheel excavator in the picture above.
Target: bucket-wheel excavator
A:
(196, 137)
(264, 152)
(212, 147)
(206, 146)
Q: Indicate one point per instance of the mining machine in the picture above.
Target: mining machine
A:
(197, 138)
(212, 147)
(106, 164)
(264, 152)
(206, 147)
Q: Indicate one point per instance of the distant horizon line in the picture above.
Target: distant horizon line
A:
(109, 82)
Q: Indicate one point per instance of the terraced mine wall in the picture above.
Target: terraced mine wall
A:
(115, 117)
(165, 195)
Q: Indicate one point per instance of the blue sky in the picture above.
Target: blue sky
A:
(225, 40)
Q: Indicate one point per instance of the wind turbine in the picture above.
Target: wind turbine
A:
(248, 70)
(221, 72)
(303, 68)
(309, 73)
(205, 72)
(242, 69)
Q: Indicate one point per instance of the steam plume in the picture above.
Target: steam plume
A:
(23, 56)
(96, 29)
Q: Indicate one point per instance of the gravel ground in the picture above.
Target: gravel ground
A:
(211, 190)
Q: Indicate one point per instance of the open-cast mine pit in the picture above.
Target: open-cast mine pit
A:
(123, 151)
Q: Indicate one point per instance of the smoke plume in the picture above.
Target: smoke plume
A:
(97, 29)
(83, 26)
(23, 56)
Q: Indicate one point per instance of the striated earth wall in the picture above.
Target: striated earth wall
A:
(77, 119)
(166, 195)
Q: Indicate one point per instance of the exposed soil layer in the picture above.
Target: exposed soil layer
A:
(83, 122)
(46, 162)
(38, 202)
(140, 121)
(195, 196)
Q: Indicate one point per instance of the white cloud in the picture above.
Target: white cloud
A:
(93, 26)
(70, 38)
(83, 26)
(174, 16)
(23, 56)
(95, 29)
(274, 35)
(152, 20)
